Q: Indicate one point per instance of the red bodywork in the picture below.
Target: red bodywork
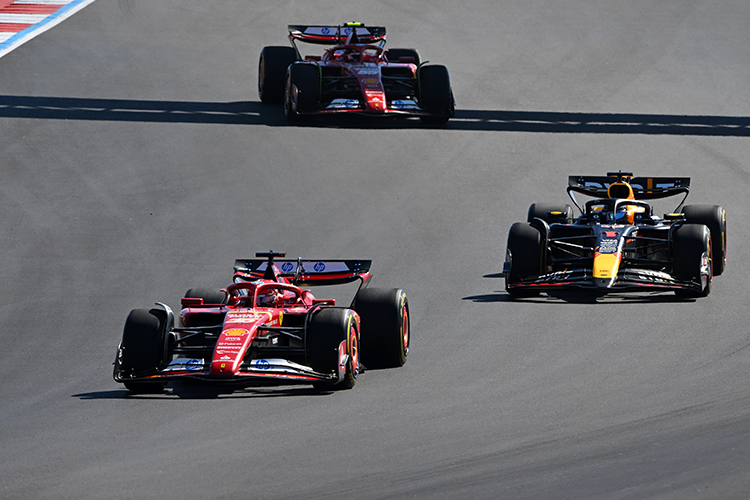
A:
(258, 333)
(357, 76)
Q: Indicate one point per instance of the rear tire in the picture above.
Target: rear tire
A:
(302, 90)
(272, 67)
(435, 94)
(142, 349)
(393, 55)
(328, 328)
(715, 218)
(385, 327)
(524, 252)
(691, 254)
(209, 295)
(549, 213)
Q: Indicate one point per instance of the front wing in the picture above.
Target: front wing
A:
(627, 280)
(401, 107)
(271, 371)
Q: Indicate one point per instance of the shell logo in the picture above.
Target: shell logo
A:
(236, 331)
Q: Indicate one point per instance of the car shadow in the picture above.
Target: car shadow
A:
(207, 391)
(578, 296)
(257, 113)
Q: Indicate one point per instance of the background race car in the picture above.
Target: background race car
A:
(618, 244)
(356, 75)
(264, 329)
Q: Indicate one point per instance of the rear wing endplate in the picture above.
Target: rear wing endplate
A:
(309, 272)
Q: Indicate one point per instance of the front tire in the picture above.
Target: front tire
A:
(141, 352)
(692, 260)
(435, 93)
(524, 255)
(302, 93)
(386, 331)
(328, 328)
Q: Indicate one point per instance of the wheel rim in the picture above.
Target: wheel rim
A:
(354, 350)
(405, 331)
(260, 77)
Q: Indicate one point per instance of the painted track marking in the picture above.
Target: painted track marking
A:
(22, 20)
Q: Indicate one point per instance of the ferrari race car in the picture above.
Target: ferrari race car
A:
(617, 243)
(356, 75)
(264, 329)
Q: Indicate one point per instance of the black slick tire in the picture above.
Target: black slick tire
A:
(328, 328)
(385, 327)
(209, 295)
(715, 218)
(302, 94)
(435, 94)
(142, 349)
(524, 253)
(393, 55)
(550, 213)
(691, 254)
(272, 66)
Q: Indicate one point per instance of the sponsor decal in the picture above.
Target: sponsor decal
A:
(228, 348)
(343, 104)
(236, 331)
(404, 104)
(246, 317)
(262, 364)
(366, 71)
(193, 364)
(325, 31)
(371, 81)
(608, 246)
(227, 341)
(225, 358)
(287, 267)
(319, 267)
(610, 234)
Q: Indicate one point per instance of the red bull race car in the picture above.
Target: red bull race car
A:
(618, 243)
(265, 329)
(357, 74)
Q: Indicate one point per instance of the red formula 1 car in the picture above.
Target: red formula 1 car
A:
(356, 75)
(264, 329)
(618, 244)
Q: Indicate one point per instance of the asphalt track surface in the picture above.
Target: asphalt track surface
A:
(138, 162)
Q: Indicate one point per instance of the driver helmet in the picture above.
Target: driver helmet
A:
(269, 298)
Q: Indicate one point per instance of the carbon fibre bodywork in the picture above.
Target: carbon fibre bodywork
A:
(616, 244)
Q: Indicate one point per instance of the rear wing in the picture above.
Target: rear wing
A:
(644, 188)
(307, 272)
(336, 35)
